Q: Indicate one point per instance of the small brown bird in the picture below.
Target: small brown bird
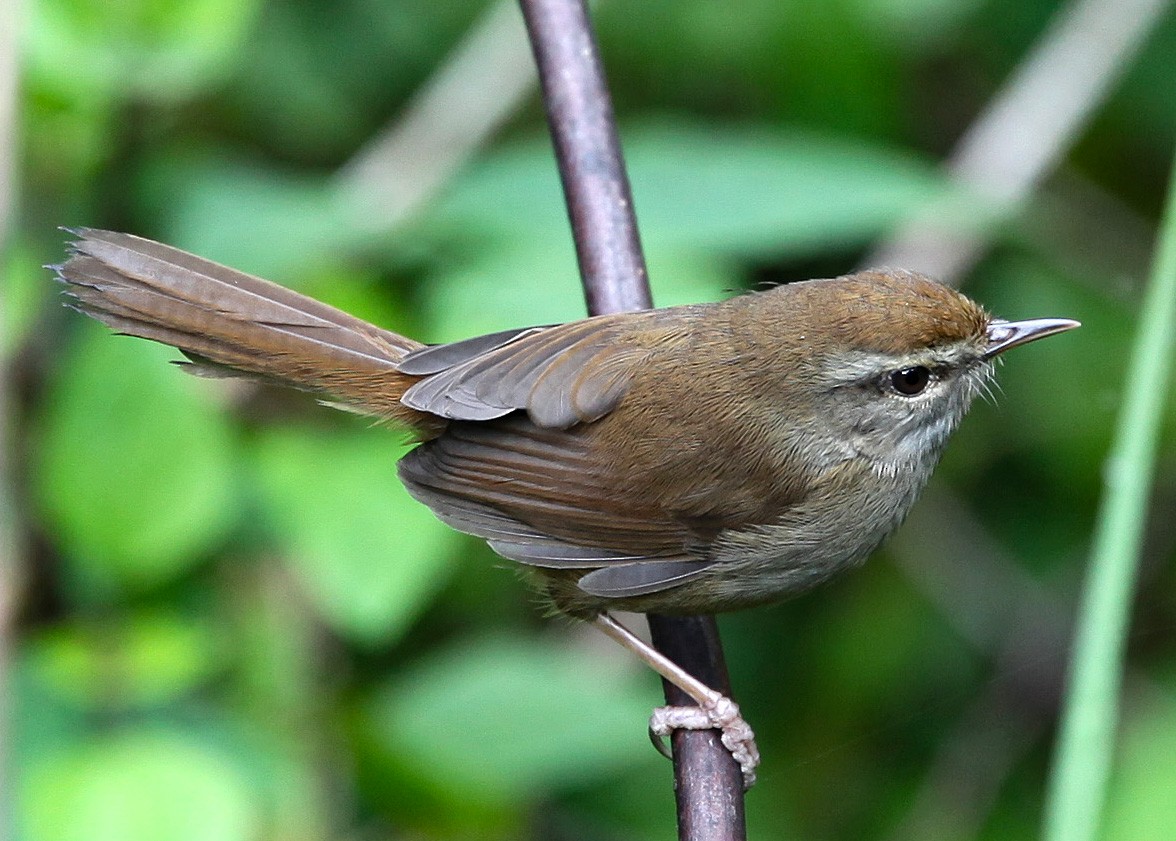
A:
(684, 460)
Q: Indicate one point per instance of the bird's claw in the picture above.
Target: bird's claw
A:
(723, 715)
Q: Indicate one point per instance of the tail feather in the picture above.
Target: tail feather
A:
(231, 323)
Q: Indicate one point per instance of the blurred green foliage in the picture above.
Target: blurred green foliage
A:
(236, 625)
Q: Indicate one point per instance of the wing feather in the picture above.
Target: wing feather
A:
(562, 376)
(532, 494)
(436, 358)
(625, 580)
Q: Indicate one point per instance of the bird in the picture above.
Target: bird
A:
(686, 460)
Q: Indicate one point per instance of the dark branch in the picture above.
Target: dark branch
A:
(708, 783)
(584, 131)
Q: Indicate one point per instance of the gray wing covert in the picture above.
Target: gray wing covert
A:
(561, 376)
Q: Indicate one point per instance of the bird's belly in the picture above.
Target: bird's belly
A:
(804, 548)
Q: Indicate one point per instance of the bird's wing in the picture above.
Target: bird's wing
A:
(561, 375)
(533, 494)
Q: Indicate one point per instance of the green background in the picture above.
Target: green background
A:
(230, 621)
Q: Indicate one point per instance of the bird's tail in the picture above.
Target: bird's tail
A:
(229, 323)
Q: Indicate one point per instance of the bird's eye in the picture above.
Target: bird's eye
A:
(910, 381)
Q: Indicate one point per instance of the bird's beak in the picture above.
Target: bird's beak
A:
(1003, 335)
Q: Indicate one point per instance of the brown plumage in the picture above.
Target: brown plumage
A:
(230, 323)
(689, 459)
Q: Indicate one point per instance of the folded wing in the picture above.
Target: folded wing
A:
(535, 495)
(561, 376)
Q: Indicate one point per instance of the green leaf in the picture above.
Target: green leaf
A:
(138, 786)
(368, 556)
(133, 465)
(734, 190)
(515, 285)
(216, 206)
(143, 659)
(164, 50)
(506, 718)
(536, 282)
(755, 192)
(912, 25)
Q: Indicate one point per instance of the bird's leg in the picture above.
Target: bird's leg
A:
(714, 709)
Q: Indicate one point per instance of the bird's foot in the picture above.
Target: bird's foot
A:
(720, 713)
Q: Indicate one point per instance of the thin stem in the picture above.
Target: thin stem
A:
(1082, 761)
(708, 784)
(588, 150)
